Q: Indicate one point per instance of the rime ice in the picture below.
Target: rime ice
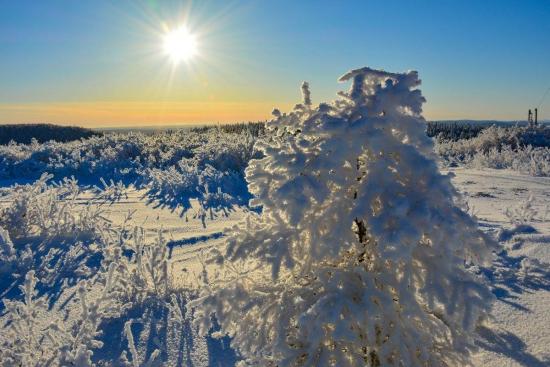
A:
(358, 256)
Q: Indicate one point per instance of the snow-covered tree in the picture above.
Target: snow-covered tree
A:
(360, 255)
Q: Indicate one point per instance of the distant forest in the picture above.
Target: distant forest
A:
(24, 133)
(446, 130)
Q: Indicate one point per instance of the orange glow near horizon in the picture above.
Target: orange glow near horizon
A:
(135, 114)
(162, 113)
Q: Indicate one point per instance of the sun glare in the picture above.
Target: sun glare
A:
(180, 45)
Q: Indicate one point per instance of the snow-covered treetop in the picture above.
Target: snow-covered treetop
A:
(369, 144)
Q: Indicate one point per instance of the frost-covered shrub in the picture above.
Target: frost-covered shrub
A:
(175, 167)
(50, 210)
(523, 213)
(528, 160)
(44, 228)
(176, 186)
(109, 192)
(109, 276)
(7, 252)
(21, 339)
(34, 335)
(358, 257)
(523, 149)
(143, 271)
(133, 350)
(497, 138)
(65, 237)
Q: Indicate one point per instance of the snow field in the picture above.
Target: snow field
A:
(518, 333)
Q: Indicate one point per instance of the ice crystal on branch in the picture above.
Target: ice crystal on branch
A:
(358, 257)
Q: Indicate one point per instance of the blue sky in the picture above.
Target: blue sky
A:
(63, 61)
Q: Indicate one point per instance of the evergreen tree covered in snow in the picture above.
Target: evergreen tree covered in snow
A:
(361, 253)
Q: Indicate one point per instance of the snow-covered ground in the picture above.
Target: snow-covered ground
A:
(154, 327)
(518, 333)
(187, 233)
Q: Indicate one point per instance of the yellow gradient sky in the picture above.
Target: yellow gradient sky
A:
(132, 114)
(102, 63)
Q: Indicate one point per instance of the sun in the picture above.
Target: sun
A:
(180, 45)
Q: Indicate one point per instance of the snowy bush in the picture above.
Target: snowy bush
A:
(110, 272)
(526, 150)
(495, 137)
(175, 187)
(21, 342)
(52, 241)
(51, 210)
(174, 166)
(358, 257)
(7, 252)
(44, 228)
(528, 160)
(34, 335)
(523, 213)
(143, 275)
(109, 192)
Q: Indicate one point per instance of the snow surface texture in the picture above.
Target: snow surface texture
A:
(518, 331)
(358, 256)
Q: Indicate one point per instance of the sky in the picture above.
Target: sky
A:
(102, 63)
